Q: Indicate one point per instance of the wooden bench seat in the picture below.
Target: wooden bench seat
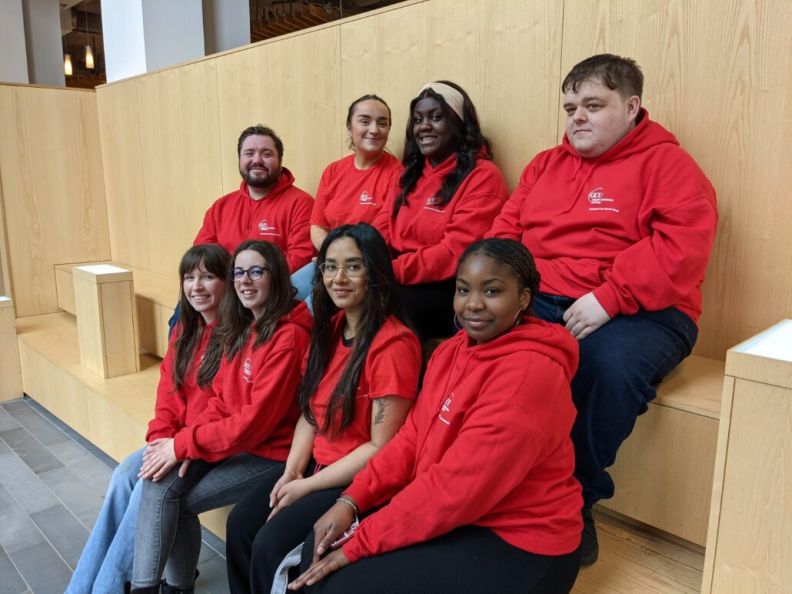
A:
(156, 297)
(111, 413)
(664, 470)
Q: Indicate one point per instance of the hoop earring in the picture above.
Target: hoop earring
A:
(518, 317)
(457, 323)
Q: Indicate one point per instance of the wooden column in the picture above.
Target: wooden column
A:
(749, 543)
(104, 300)
(10, 374)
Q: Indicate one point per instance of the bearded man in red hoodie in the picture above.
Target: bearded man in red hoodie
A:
(621, 221)
(267, 206)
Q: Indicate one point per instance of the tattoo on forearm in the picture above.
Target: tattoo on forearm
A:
(379, 416)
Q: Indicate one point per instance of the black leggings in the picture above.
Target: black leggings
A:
(255, 547)
(467, 560)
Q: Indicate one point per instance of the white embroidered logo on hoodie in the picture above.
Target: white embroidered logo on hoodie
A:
(247, 370)
(367, 199)
(597, 198)
(433, 204)
(446, 409)
(266, 229)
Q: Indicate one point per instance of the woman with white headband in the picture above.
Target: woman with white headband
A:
(447, 197)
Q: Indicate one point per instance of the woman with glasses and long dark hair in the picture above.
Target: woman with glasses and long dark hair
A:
(447, 197)
(245, 432)
(361, 378)
(106, 560)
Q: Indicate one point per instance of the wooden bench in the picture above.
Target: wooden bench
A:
(156, 298)
(663, 472)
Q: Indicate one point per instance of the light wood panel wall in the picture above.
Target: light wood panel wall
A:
(52, 188)
(718, 74)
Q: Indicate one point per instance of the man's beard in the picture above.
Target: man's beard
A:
(261, 183)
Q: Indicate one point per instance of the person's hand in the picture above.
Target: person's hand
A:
(320, 569)
(183, 468)
(286, 477)
(290, 492)
(159, 458)
(585, 316)
(330, 526)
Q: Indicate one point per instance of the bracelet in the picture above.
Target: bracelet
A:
(350, 504)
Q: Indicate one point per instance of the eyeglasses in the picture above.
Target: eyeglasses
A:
(352, 269)
(254, 272)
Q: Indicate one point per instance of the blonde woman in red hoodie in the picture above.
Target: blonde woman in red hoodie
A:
(246, 429)
(447, 197)
(476, 492)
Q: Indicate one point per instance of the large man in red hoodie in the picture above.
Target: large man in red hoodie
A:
(267, 206)
(620, 221)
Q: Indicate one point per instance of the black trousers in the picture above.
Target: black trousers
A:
(466, 560)
(255, 547)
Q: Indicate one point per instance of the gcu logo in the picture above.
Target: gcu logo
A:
(266, 229)
(446, 409)
(366, 199)
(597, 199)
(247, 370)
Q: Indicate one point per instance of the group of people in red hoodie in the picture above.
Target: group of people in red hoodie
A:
(572, 298)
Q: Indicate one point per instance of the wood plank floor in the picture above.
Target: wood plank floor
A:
(636, 560)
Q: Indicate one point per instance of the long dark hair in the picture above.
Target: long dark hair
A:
(470, 145)
(215, 260)
(237, 322)
(382, 300)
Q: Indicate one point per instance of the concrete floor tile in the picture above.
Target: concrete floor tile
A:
(37, 425)
(42, 568)
(7, 421)
(64, 532)
(17, 530)
(213, 576)
(11, 581)
(73, 492)
(24, 485)
(14, 404)
(32, 451)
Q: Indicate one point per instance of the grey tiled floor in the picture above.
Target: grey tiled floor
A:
(52, 482)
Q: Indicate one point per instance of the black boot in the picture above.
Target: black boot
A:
(148, 590)
(589, 547)
(166, 588)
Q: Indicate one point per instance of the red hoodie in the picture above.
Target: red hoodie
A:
(427, 239)
(634, 225)
(174, 408)
(487, 443)
(348, 195)
(255, 409)
(282, 217)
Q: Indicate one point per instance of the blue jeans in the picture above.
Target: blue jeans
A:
(621, 364)
(169, 530)
(106, 560)
(303, 281)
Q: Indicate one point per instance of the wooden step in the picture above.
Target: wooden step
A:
(663, 472)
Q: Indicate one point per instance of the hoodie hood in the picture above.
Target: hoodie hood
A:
(299, 316)
(532, 335)
(645, 135)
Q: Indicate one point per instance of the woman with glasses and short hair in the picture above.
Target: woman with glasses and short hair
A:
(245, 431)
(360, 381)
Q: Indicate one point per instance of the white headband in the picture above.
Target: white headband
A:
(451, 96)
